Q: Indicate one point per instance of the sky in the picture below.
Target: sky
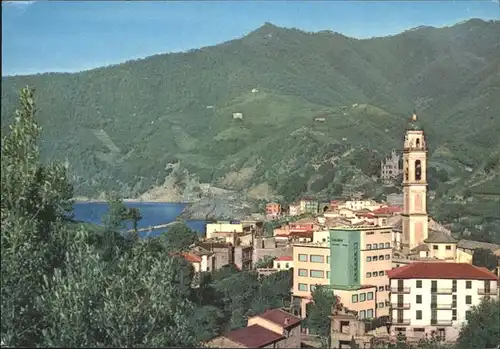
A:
(68, 36)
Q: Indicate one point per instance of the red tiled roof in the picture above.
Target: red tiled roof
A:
(284, 258)
(254, 336)
(441, 270)
(191, 257)
(388, 210)
(280, 318)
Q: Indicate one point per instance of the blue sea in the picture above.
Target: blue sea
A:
(153, 213)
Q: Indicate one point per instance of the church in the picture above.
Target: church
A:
(417, 237)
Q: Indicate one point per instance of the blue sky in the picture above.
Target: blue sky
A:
(43, 36)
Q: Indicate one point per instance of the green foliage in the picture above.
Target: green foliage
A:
(319, 312)
(484, 258)
(483, 326)
(179, 237)
(265, 262)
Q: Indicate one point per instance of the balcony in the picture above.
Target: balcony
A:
(400, 290)
(404, 322)
(400, 305)
(485, 292)
(442, 306)
(441, 290)
(435, 322)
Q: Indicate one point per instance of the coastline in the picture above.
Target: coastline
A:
(84, 200)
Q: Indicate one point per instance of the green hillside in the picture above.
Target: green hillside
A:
(327, 110)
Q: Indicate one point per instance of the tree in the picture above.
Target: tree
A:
(484, 258)
(483, 326)
(179, 237)
(318, 313)
(115, 218)
(143, 302)
(265, 262)
(35, 202)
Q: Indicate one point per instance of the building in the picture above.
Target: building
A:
(294, 209)
(223, 227)
(353, 261)
(437, 296)
(309, 205)
(283, 263)
(273, 209)
(272, 329)
(223, 252)
(415, 218)
(390, 168)
(357, 205)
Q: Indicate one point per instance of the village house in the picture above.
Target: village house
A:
(273, 209)
(294, 209)
(223, 227)
(272, 329)
(283, 263)
(427, 297)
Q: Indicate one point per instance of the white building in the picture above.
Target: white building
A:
(437, 296)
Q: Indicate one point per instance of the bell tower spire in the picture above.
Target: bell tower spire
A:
(415, 218)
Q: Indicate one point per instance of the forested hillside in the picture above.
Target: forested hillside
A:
(317, 110)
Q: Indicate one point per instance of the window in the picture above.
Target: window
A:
(302, 287)
(468, 284)
(368, 259)
(316, 258)
(303, 257)
(435, 247)
(369, 296)
(419, 314)
(454, 315)
(381, 305)
(369, 313)
(375, 258)
(381, 257)
(362, 297)
(278, 265)
(419, 283)
(287, 266)
(467, 314)
(419, 299)
(362, 314)
(354, 298)
(368, 246)
(368, 275)
(454, 286)
(381, 288)
(418, 170)
(448, 247)
(387, 245)
(317, 274)
(381, 273)
(387, 256)
(328, 275)
(375, 274)
(303, 272)
(468, 299)
(375, 246)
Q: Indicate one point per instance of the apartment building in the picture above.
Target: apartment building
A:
(309, 205)
(437, 296)
(223, 227)
(273, 209)
(353, 261)
(375, 259)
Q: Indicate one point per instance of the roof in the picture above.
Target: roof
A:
(420, 248)
(388, 210)
(440, 270)
(254, 336)
(440, 237)
(284, 258)
(301, 234)
(280, 318)
(472, 245)
(191, 257)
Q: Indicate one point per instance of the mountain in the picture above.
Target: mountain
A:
(325, 109)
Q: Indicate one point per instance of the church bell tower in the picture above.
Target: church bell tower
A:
(415, 218)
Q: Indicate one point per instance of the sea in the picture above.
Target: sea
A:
(153, 213)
